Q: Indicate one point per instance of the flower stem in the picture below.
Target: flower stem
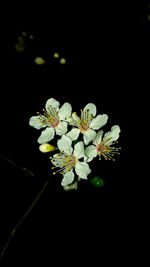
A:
(13, 232)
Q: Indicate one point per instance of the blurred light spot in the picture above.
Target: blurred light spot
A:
(148, 17)
(97, 181)
(20, 45)
(31, 37)
(56, 55)
(62, 61)
(24, 33)
(39, 61)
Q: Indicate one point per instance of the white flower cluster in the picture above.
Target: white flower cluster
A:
(74, 155)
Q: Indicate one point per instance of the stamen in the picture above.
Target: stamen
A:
(86, 119)
(64, 162)
(49, 117)
(107, 151)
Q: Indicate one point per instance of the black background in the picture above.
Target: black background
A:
(107, 52)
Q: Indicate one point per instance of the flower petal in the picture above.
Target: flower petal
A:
(92, 108)
(79, 150)
(73, 134)
(64, 144)
(67, 178)
(46, 135)
(98, 138)
(82, 169)
(75, 116)
(65, 111)
(113, 135)
(91, 152)
(88, 136)
(52, 103)
(72, 186)
(61, 128)
(36, 122)
(99, 121)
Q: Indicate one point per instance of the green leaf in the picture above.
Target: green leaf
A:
(97, 181)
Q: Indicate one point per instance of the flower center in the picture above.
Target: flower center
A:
(49, 117)
(83, 123)
(107, 151)
(64, 162)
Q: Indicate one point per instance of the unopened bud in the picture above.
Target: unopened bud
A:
(44, 148)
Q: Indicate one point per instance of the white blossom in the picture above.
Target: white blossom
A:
(104, 146)
(86, 124)
(68, 161)
(53, 118)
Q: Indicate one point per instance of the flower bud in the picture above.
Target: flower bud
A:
(44, 148)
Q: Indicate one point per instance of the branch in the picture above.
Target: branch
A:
(13, 232)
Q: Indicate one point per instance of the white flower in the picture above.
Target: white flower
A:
(103, 147)
(68, 160)
(53, 119)
(86, 123)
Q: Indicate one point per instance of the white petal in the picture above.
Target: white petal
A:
(91, 152)
(64, 144)
(79, 150)
(67, 178)
(53, 103)
(61, 128)
(75, 116)
(89, 136)
(73, 134)
(85, 158)
(65, 111)
(98, 138)
(99, 121)
(113, 135)
(82, 169)
(46, 135)
(36, 122)
(71, 186)
(92, 108)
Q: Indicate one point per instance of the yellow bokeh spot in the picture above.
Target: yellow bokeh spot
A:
(56, 55)
(62, 61)
(44, 148)
(148, 17)
(39, 61)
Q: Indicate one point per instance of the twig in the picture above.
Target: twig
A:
(22, 220)
(11, 162)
